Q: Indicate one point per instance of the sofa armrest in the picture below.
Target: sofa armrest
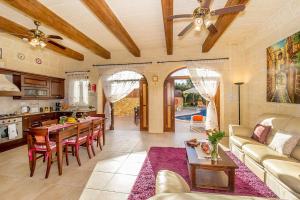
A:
(237, 130)
(170, 182)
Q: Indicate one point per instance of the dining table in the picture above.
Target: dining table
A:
(59, 134)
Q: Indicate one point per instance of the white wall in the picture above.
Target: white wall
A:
(284, 23)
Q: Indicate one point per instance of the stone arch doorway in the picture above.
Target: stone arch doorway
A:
(141, 92)
(169, 97)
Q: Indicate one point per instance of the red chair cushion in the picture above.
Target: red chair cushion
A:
(198, 118)
(72, 140)
(43, 146)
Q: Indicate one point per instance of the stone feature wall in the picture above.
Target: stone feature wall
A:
(125, 107)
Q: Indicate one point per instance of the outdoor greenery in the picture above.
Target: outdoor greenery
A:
(188, 99)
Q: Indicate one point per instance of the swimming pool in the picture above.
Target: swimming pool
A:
(188, 117)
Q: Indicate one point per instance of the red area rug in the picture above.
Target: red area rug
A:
(174, 159)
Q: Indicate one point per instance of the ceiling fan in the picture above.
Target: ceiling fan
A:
(202, 14)
(38, 38)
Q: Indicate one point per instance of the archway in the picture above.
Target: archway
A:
(128, 90)
(172, 98)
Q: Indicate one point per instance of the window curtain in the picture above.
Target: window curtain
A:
(78, 83)
(116, 87)
(206, 82)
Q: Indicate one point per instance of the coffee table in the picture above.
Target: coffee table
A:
(212, 172)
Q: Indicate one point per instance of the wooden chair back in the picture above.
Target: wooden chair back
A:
(97, 124)
(50, 122)
(39, 136)
(84, 128)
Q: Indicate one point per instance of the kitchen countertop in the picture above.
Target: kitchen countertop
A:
(40, 113)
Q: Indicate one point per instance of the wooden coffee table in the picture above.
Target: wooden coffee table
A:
(212, 172)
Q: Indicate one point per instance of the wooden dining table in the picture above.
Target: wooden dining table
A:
(59, 134)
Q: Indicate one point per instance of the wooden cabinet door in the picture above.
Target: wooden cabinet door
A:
(34, 81)
(57, 88)
(143, 105)
(169, 108)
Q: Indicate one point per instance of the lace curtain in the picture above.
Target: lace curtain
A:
(116, 87)
(206, 82)
(78, 83)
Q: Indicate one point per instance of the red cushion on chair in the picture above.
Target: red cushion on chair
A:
(43, 147)
(198, 118)
(72, 140)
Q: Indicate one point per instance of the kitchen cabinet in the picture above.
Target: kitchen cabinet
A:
(37, 87)
(57, 88)
(30, 80)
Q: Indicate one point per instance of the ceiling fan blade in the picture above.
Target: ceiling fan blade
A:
(186, 29)
(180, 16)
(206, 4)
(212, 28)
(56, 44)
(54, 37)
(228, 10)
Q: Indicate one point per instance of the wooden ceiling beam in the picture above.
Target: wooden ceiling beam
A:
(221, 24)
(39, 12)
(17, 30)
(167, 10)
(101, 9)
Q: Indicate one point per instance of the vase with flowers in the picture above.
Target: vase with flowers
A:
(214, 137)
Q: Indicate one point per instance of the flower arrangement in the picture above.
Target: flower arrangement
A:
(214, 137)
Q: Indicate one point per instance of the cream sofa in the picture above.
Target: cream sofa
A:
(281, 173)
(171, 186)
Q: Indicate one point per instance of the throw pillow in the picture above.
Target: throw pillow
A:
(261, 133)
(284, 142)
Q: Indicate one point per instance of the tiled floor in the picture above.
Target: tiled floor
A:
(108, 175)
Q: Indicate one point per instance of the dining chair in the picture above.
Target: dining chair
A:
(82, 137)
(49, 122)
(97, 133)
(39, 143)
(102, 116)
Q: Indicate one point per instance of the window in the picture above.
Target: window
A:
(78, 93)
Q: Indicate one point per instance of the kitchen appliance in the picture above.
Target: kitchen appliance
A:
(7, 88)
(25, 109)
(4, 128)
(57, 106)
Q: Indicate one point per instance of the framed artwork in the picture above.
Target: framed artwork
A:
(0, 53)
(283, 71)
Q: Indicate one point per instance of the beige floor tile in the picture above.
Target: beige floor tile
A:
(137, 157)
(98, 180)
(104, 195)
(74, 177)
(90, 194)
(56, 192)
(7, 182)
(107, 166)
(120, 183)
(130, 168)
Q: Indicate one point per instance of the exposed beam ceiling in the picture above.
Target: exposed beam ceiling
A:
(106, 15)
(41, 13)
(221, 24)
(167, 9)
(18, 30)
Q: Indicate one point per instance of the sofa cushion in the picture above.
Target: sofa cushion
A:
(170, 182)
(240, 141)
(237, 130)
(286, 170)
(260, 133)
(294, 127)
(260, 152)
(284, 142)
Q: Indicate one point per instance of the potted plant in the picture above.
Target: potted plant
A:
(214, 137)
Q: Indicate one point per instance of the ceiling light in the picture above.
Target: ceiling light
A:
(198, 23)
(42, 44)
(34, 42)
(208, 23)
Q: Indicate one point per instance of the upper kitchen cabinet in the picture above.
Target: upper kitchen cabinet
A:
(34, 86)
(29, 80)
(57, 88)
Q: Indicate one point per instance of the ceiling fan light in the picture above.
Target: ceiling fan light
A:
(42, 44)
(34, 42)
(198, 23)
(208, 23)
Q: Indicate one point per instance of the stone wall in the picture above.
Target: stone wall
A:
(125, 107)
